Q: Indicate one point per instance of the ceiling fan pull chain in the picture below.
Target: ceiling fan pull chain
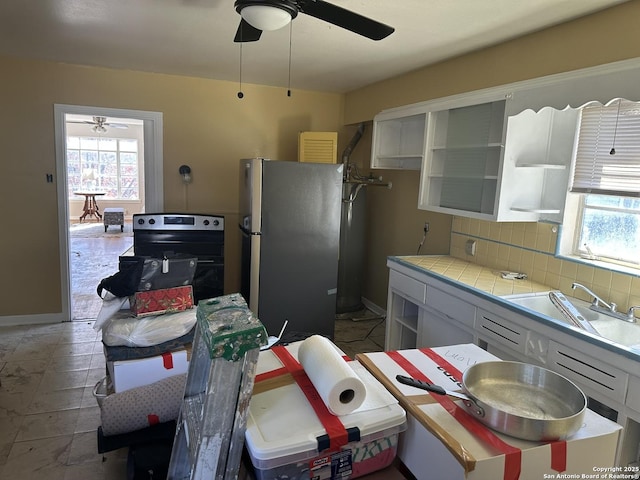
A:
(289, 81)
(240, 94)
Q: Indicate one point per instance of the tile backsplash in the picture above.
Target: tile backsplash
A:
(529, 248)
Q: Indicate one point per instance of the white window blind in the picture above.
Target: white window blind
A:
(597, 168)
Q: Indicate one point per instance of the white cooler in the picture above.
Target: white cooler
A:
(286, 439)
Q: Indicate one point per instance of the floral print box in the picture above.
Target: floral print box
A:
(155, 302)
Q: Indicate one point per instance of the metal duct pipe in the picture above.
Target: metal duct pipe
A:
(352, 230)
(351, 261)
(352, 235)
(352, 144)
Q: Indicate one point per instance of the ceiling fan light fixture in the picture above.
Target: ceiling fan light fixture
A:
(265, 17)
(98, 129)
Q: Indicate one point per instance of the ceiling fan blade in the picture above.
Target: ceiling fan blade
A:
(116, 125)
(247, 32)
(345, 18)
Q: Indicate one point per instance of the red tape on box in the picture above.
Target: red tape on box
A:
(558, 455)
(513, 456)
(558, 448)
(335, 429)
(167, 360)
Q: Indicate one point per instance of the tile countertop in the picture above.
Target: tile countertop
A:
(488, 282)
(482, 278)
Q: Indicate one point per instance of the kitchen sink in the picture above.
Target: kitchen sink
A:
(542, 304)
(616, 330)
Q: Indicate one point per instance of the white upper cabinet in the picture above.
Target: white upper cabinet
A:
(536, 166)
(482, 163)
(502, 153)
(399, 138)
(465, 147)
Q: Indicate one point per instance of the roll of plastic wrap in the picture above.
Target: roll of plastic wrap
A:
(337, 384)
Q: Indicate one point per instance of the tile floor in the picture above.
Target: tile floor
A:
(48, 414)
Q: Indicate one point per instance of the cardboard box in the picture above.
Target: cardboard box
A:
(155, 302)
(128, 374)
(284, 435)
(435, 442)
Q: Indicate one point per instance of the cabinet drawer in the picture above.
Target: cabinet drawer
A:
(408, 286)
(451, 307)
(494, 327)
(588, 371)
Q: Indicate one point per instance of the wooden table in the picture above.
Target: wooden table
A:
(90, 208)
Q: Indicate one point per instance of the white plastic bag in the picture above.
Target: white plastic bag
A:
(111, 307)
(147, 331)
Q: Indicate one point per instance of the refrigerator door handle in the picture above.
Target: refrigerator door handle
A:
(246, 231)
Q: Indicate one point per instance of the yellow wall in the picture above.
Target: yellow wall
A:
(395, 223)
(205, 126)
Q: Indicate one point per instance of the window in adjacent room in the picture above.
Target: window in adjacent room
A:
(103, 164)
(606, 180)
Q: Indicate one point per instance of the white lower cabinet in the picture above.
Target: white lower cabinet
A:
(424, 315)
(605, 382)
(438, 329)
(402, 324)
(424, 311)
(496, 329)
(406, 297)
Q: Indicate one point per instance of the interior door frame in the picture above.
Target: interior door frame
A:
(153, 177)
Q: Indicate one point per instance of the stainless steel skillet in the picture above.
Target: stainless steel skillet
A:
(518, 399)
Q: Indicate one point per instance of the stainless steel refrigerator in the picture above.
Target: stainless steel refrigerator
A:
(290, 222)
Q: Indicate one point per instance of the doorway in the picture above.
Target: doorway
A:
(104, 171)
(151, 193)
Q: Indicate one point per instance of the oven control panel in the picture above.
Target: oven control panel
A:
(177, 221)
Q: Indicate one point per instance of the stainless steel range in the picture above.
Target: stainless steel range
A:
(160, 234)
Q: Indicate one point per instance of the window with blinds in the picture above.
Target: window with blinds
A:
(607, 170)
(608, 154)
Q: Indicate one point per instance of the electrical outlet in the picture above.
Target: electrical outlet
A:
(470, 247)
(426, 227)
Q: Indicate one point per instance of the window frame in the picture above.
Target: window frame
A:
(569, 241)
(579, 226)
(118, 164)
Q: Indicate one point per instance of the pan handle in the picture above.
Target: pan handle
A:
(413, 382)
(468, 401)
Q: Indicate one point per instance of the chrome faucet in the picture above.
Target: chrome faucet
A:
(596, 299)
(609, 309)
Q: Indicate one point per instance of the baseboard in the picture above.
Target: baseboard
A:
(13, 320)
(374, 308)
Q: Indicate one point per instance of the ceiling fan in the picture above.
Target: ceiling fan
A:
(259, 15)
(100, 124)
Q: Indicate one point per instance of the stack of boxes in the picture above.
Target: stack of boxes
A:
(165, 290)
